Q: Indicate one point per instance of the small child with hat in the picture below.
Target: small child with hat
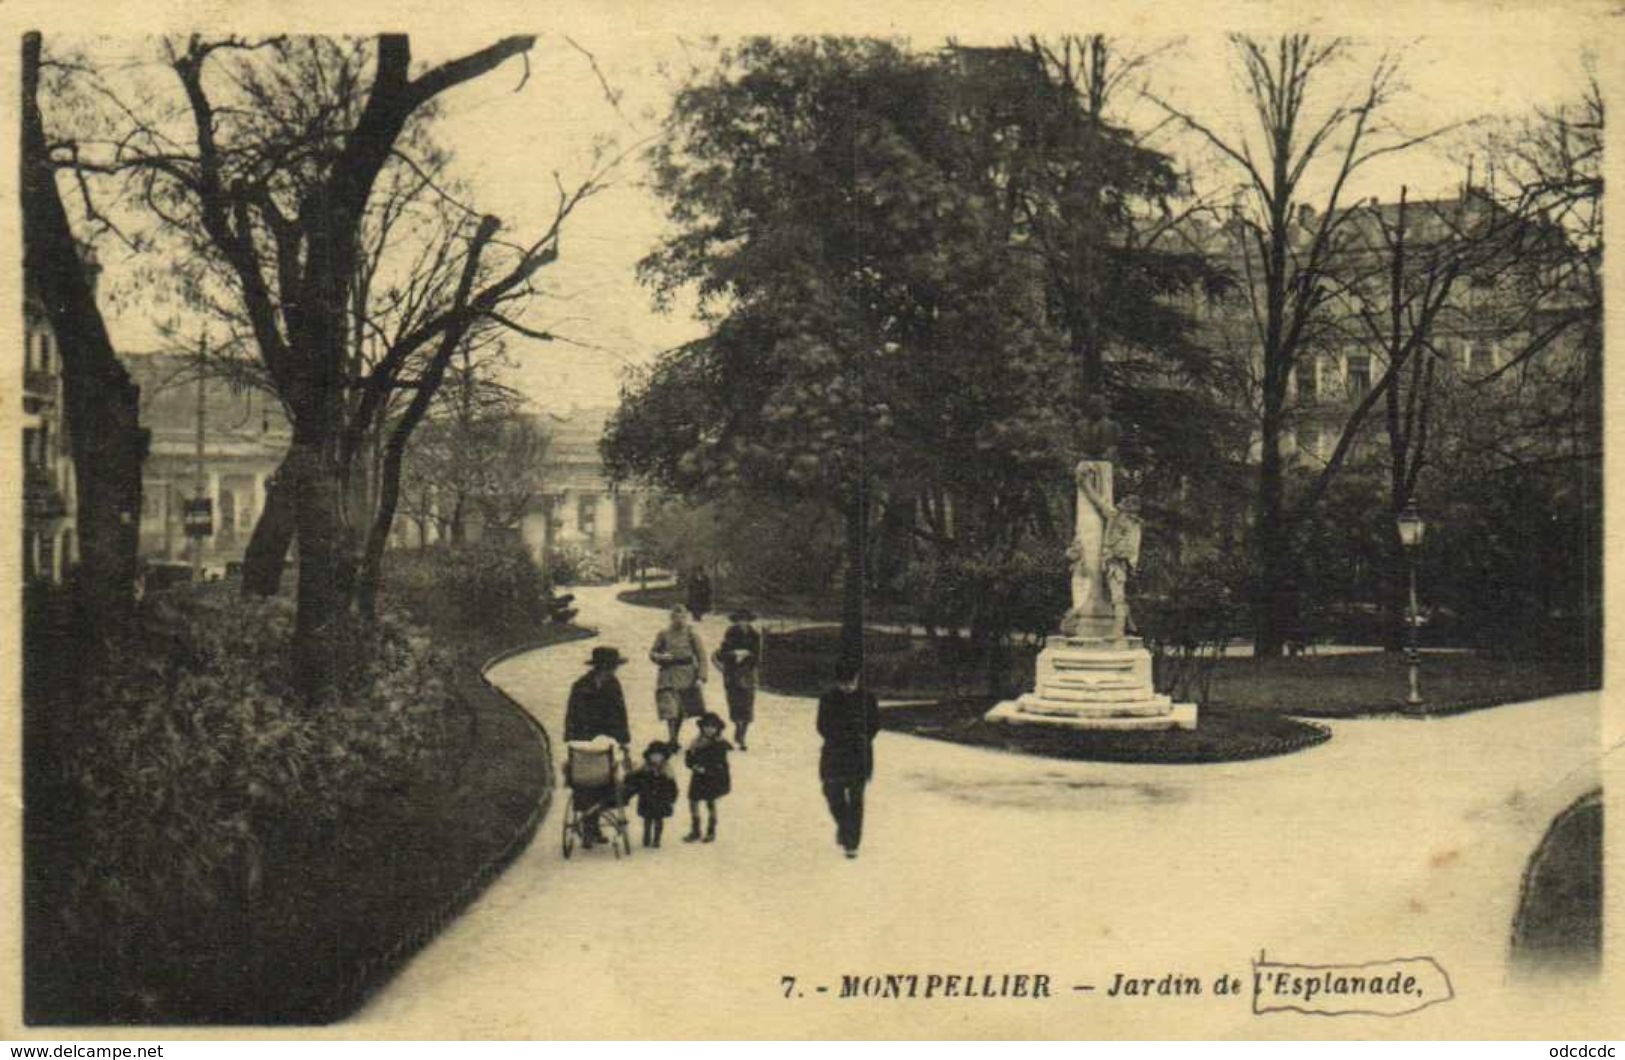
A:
(655, 790)
(708, 778)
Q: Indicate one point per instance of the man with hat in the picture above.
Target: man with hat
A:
(597, 708)
(848, 719)
(738, 658)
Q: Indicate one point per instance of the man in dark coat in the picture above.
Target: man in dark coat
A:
(597, 707)
(848, 718)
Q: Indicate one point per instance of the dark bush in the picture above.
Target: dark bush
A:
(492, 585)
(1187, 615)
(195, 761)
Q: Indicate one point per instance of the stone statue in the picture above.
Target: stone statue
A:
(1106, 544)
(1094, 481)
(1120, 556)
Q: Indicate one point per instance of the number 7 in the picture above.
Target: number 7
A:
(789, 982)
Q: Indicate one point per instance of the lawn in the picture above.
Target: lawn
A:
(1254, 712)
(1221, 735)
(801, 662)
(1346, 686)
(1558, 927)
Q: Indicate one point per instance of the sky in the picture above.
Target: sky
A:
(511, 133)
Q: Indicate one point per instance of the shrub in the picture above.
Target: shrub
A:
(1186, 614)
(492, 585)
(997, 599)
(578, 565)
(197, 760)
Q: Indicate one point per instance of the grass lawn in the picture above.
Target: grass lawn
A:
(1346, 686)
(1255, 709)
(1221, 735)
(802, 662)
(1559, 921)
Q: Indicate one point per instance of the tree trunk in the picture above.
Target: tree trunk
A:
(854, 583)
(458, 531)
(1274, 596)
(101, 403)
(268, 545)
(326, 560)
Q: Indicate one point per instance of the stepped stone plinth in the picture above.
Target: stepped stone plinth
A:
(1095, 683)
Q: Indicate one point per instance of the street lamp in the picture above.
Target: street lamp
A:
(1411, 530)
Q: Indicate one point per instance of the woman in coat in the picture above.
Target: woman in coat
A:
(683, 669)
(739, 658)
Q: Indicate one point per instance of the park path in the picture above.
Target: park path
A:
(1395, 838)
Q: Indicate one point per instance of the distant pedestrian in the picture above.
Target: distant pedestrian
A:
(708, 776)
(683, 670)
(739, 659)
(848, 718)
(655, 790)
(699, 593)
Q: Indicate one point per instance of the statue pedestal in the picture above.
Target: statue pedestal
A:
(1088, 682)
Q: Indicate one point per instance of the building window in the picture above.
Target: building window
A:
(625, 514)
(45, 351)
(1481, 356)
(1309, 380)
(1359, 378)
(227, 516)
(587, 515)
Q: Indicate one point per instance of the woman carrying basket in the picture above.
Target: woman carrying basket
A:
(683, 669)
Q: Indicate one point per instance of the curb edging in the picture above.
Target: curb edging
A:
(372, 972)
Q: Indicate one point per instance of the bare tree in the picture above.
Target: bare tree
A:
(283, 146)
(1287, 254)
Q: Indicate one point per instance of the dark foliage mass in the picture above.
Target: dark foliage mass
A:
(203, 846)
(913, 266)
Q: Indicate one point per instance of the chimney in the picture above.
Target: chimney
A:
(1306, 215)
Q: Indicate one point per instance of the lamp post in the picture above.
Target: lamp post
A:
(1411, 529)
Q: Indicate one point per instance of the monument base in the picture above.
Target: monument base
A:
(1101, 683)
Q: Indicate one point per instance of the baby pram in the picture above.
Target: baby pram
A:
(596, 807)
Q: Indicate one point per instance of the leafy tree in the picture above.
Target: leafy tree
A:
(915, 266)
(874, 335)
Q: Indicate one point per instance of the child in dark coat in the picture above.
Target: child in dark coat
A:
(708, 778)
(655, 790)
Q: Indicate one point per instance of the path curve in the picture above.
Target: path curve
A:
(1396, 838)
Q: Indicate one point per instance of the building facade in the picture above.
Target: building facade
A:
(244, 436)
(580, 510)
(50, 503)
